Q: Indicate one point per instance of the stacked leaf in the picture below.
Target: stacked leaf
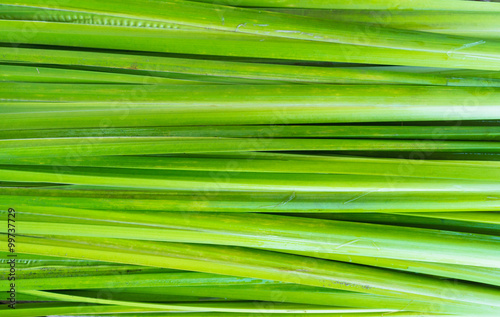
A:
(250, 158)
